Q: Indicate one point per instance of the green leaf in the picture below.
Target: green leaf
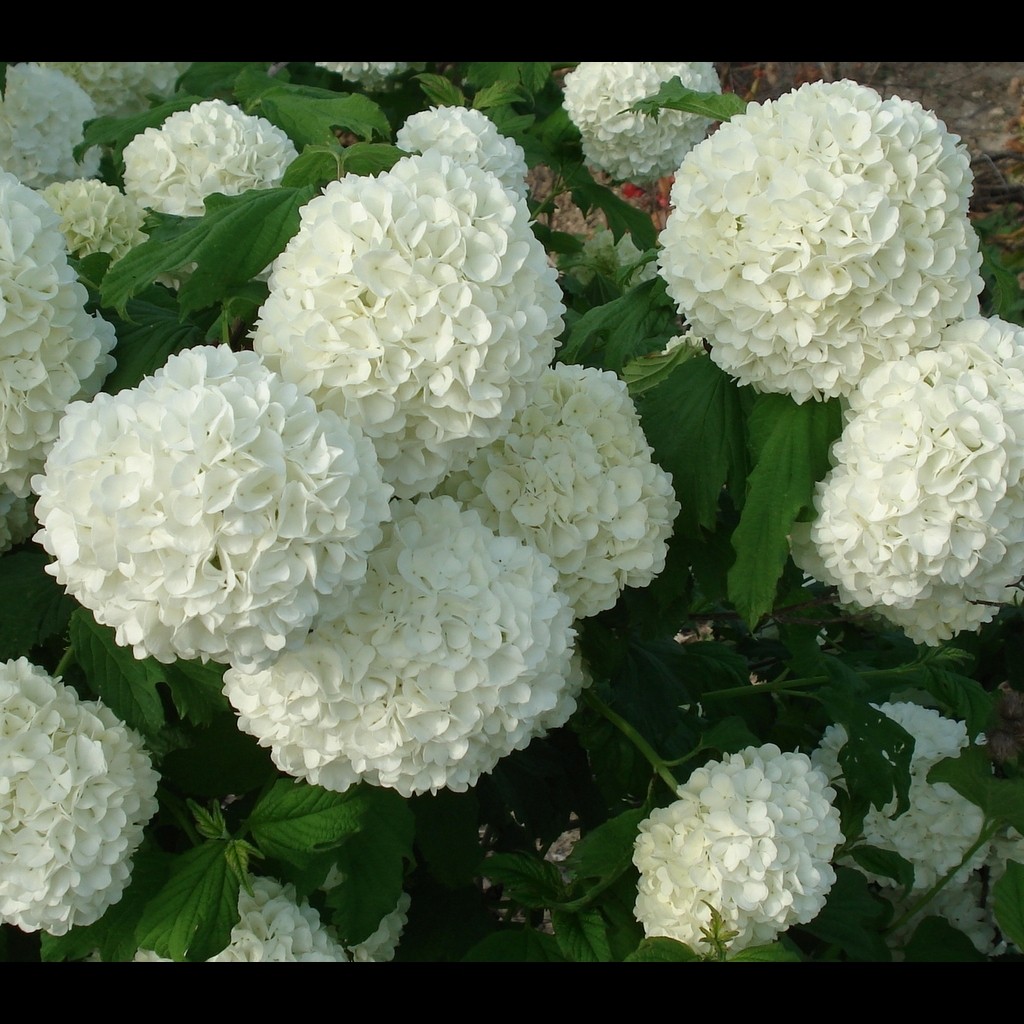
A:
(791, 454)
(234, 241)
(126, 686)
(698, 409)
(498, 95)
(315, 166)
(193, 913)
(532, 75)
(1008, 903)
(447, 835)
(773, 952)
(197, 690)
(853, 918)
(886, 863)
(606, 852)
(673, 95)
(218, 77)
(662, 950)
(439, 91)
(35, 606)
(528, 881)
(935, 940)
(970, 775)
(516, 945)
(622, 218)
(582, 936)
(311, 116)
(649, 371)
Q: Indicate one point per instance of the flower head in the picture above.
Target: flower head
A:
(76, 790)
(120, 88)
(210, 512)
(574, 476)
(211, 147)
(42, 118)
(95, 217)
(631, 146)
(370, 74)
(51, 351)
(456, 651)
(818, 235)
(419, 305)
(751, 835)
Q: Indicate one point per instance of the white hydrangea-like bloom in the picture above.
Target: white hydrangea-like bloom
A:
(211, 147)
(628, 145)
(17, 519)
(818, 235)
(940, 824)
(457, 651)
(370, 74)
(922, 515)
(275, 927)
(752, 835)
(575, 476)
(51, 351)
(211, 512)
(120, 88)
(42, 118)
(470, 138)
(419, 305)
(76, 791)
(96, 217)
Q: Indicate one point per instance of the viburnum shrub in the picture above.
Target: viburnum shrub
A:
(392, 571)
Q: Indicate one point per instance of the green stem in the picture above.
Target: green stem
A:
(783, 685)
(634, 737)
(65, 660)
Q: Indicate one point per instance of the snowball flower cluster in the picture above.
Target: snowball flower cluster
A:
(370, 74)
(940, 824)
(42, 118)
(628, 145)
(51, 351)
(95, 217)
(76, 791)
(211, 147)
(120, 88)
(922, 515)
(469, 137)
(574, 476)
(813, 237)
(456, 651)
(751, 835)
(211, 512)
(419, 305)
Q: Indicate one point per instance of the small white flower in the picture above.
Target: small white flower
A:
(753, 836)
(76, 791)
(370, 74)
(95, 217)
(631, 146)
(211, 147)
(120, 88)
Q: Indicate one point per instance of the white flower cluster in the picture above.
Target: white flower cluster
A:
(76, 790)
(211, 147)
(818, 235)
(628, 145)
(120, 88)
(370, 74)
(601, 254)
(419, 305)
(456, 651)
(42, 118)
(210, 512)
(470, 138)
(922, 515)
(51, 351)
(95, 217)
(574, 476)
(752, 835)
(940, 824)
(17, 519)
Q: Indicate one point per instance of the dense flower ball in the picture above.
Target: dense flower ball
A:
(574, 476)
(120, 88)
(820, 234)
(51, 351)
(457, 651)
(210, 512)
(211, 147)
(76, 791)
(751, 835)
(469, 137)
(628, 145)
(419, 305)
(370, 74)
(95, 217)
(940, 825)
(42, 118)
(922, 516)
